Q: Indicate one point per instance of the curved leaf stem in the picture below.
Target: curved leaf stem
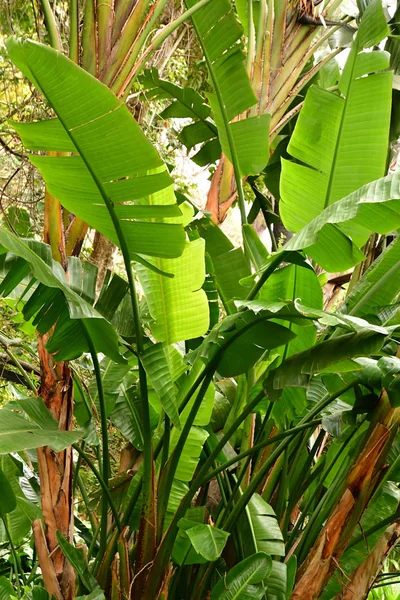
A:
(104, 438)
(20, 368)
(257, 447)
(258, 478)
(102, 483)
(265, 275)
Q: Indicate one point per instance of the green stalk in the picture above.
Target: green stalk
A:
(21, 370)
(163, 35)
(325, 498)
(102, 483)
(364, 535)
(172, 464)
(169, 537)
(17, 563)
(258, 478)
(89, 39)
(260, 446)
(51, 25)
(147, 445)
(104, 438)
(74, 31)
(251, 40)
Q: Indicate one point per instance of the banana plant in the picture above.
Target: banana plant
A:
(289, 410)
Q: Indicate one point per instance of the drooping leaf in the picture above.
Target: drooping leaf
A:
(17, 433)
(116, 166)
(55, 301)
(296, 370)
(375, 207)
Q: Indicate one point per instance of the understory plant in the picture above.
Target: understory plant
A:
(257, 423)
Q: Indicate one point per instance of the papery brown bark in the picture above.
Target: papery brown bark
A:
(55, 468)
(363, 578)
(359, 487)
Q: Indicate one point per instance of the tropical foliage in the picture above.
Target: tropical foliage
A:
(211, 419)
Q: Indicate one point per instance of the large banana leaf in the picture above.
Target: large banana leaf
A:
(53, 301)
(244, 142)
(178, 305)
(375, 208)
(117, 167)
(340, 140)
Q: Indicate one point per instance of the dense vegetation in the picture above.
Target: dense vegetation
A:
(186, 416)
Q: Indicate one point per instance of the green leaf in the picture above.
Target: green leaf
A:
(126, 416)
(241, 582)
(290, 283)
(341, 140)
(76, 557)
(178, 306)
(244, 352)
(207, 540)
(112, 376)
(24, 511)
(250, 139)
(218, 31)
(296, 370)
(117, 166)
(254, 246)
(189, 458)
(390, 367)
(68, 339)
(188, 102)
(375, 207)
(267, 533)
(8, 501)
(17, 433)
(245, 141)
(6, 589)
(163, 367)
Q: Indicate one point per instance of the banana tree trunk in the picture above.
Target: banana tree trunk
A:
(358, 489)
(55, 471)
(363, 578)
